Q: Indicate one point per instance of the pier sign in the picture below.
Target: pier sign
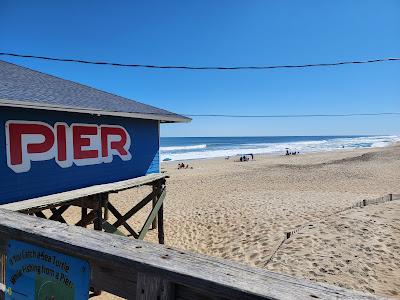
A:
(35, 273)
(81, 144)
(49, 152)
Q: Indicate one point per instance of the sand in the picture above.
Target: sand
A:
(241, 211)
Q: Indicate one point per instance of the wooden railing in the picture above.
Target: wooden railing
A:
(135, 269)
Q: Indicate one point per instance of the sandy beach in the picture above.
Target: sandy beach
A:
(241, 211)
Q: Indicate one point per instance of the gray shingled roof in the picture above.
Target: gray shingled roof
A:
(23, 87)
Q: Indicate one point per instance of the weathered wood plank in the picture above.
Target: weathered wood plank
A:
(150, 287)
(64, 197)
(220, 278)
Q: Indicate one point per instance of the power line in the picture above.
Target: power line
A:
(294, 116)
(201, 68)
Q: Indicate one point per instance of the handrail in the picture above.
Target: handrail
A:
(136, 269)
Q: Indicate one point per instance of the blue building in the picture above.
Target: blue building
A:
(58, 135)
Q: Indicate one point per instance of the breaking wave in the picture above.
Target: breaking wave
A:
(220, 148)
(176, 148)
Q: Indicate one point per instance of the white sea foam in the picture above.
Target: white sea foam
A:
(175, 148)
(202, 151)
(380, 144)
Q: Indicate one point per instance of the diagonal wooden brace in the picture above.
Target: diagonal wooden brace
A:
(87, 219)
(116, 213)
(134, 210)
(57, 213)
(152, 215)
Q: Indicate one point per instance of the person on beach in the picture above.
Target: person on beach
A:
(183, 166)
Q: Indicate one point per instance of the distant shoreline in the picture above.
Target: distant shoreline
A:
(233, 157)
(182, 149)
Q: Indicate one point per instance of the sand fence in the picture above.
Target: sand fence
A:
(359, 204)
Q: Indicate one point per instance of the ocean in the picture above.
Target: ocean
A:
(184, 148)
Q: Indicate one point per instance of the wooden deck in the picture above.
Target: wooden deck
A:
(35, 204)
(96, 199)
(136, 269)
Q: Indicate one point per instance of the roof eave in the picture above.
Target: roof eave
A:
(173, 118)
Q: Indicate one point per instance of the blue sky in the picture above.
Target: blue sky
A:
(228, 33)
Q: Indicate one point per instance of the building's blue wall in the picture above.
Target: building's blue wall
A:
(47, 177)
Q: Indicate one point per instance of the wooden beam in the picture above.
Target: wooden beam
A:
(161, 224)
(86, 202)
(152, 215)
(83, 214)
(154, 201)
(120, 259)
(134, 210)
(98, 220)
(111, 229)
(40, 214)
(62, 198)
(105, 201)
(87, 219)
(116, 213)
(57, 213)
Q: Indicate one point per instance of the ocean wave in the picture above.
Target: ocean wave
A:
(213, 153)
(276, 148)
(176, 148)
(380, 144)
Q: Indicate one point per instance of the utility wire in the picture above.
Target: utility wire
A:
(232, 68)
(202, 68)
(294, 116)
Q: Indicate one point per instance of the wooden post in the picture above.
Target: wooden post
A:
(105, 205)
(97, 224)
(156, 191)
(83, 214)
(150, 287)
(161, 224)
(152, 215)
(390, 197)
(98, 211)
